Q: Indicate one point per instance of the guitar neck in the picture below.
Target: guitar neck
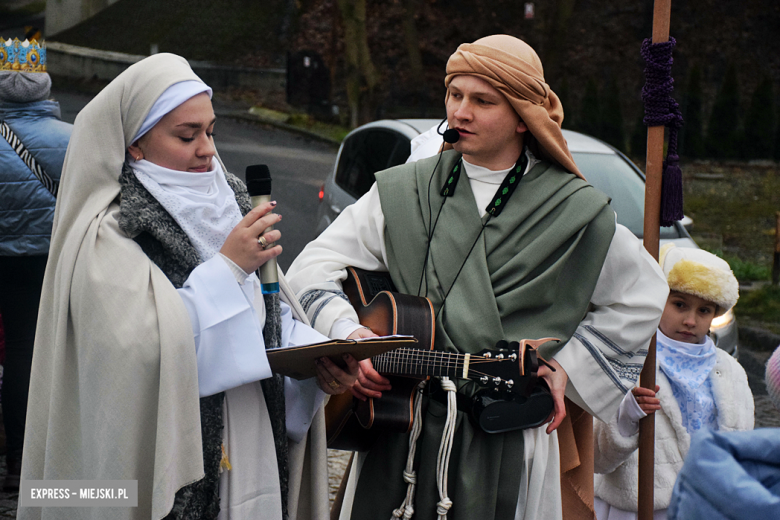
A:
(422, 363)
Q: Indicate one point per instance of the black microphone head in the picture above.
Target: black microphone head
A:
(258, 180)
(451, 136)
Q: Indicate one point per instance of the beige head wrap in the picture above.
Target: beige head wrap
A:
(513, 68)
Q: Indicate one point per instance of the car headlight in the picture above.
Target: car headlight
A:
(723, 320)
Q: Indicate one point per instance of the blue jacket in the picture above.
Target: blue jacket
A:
(26, 207)
(729, 476)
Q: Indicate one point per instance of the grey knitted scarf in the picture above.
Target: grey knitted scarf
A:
(166, 244)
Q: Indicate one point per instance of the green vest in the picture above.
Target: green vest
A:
(530, 275)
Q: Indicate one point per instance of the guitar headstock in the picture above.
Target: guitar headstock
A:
(497, 368)
(510, 366)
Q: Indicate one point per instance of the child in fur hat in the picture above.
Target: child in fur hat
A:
(700, 387)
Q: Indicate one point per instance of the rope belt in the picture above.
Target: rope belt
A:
(406, 510)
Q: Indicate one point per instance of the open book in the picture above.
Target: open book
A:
(298, 362)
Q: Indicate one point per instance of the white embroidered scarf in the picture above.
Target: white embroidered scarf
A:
(202, 203)
(688, 366)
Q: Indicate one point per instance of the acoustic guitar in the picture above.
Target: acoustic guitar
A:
(507, 374)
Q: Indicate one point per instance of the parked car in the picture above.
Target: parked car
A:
(382, 144)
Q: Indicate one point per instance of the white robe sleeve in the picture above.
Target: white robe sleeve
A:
(628, 415)
(356, 238)
(228, 335)
(227, 316)
(302, 399)
(606, 354)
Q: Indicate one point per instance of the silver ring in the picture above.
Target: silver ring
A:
(262, 241)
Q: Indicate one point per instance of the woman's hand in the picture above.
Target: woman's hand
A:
(370, 383)
(242, 245)
(646, 399)
(334, 380)
(557, 382)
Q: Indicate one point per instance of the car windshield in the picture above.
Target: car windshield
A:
(611, 174)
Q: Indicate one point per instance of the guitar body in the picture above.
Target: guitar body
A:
(352, 424)
(510, 395)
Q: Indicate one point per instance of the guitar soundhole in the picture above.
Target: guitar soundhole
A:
(377, 284)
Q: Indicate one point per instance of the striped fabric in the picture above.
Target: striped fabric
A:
(50, 184)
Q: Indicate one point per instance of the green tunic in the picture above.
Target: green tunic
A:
(530, 275)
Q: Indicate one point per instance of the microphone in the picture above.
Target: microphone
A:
(258, 184)
(451, 136)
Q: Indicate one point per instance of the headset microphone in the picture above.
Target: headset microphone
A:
(258, 185)
(451, 136)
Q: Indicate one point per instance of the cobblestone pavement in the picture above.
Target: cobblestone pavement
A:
(337, 464)
(753, 361)
(7, 500)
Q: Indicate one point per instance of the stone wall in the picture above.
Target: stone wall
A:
(64, 14)
(81, 62)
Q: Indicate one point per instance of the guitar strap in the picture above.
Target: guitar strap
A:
(493, 209)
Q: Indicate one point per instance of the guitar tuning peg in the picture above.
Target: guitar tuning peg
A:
(501, 344)
(514, 345)
(500, 356)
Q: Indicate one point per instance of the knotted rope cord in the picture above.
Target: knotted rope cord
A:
(662, 110)
(445, 448)
(410, 476)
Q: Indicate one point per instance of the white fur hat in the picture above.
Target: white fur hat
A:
(698, 272)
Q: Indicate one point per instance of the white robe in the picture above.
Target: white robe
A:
(227, 312)
(603, 358)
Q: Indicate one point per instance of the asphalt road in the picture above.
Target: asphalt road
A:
(298, 167)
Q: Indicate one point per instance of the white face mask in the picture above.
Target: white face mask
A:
(201, 203)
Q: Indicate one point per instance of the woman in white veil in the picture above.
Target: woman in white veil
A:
(149, 357)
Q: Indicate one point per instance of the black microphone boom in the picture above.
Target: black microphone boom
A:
(258, 185)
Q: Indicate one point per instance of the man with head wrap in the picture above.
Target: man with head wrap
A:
(26, 213)
(546, 260)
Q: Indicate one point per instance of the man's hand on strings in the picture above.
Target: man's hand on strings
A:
(370, 383)
(557, 382)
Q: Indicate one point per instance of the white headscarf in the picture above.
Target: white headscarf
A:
(176, 94)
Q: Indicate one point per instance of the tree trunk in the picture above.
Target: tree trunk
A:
(362, 77)
(413, 46)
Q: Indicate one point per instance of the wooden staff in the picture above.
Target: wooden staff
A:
(654, 165)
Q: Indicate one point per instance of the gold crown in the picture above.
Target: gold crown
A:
(26, 56)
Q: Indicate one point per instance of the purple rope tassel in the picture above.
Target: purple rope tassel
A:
(662, 110)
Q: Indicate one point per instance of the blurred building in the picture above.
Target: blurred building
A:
(64, 14)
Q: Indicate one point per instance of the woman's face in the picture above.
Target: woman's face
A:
(182, 139)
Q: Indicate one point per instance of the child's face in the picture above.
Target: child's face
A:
(687, 317)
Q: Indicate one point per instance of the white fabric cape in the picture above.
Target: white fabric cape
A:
(114, 390)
